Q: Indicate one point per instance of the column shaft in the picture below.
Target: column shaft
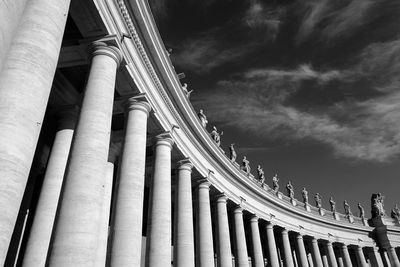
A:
(25, 81)
(331, 254)
(101, 253)
(76, 233)
(360, 257)
(42, 226)
(128, 216)
(316, 253)
(205, 250)
(258, 258)
(242, 258)
(273, 254)
(375, 257)
(346, 257)
(302, 256)
(184, 235)
(159, 226)
(394, 260)
(224, 246)
(287, 251)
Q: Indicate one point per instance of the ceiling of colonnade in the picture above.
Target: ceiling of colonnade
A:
(308, 89)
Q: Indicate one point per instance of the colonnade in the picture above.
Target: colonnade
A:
(75, 223)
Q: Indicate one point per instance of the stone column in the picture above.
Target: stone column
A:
(159, 226)
(331, 254)
(184, 235)
(325, 260)
(224, 246)
(360, 256)
(302, 256)
(287, 251)
(316, 253)
(258, 258)
(205, 249)
(25, 81)
(128, 214)
(375, 257)
(273, 254)
(394, 260)
(42, 226)
(76, 233)
(240, 237)
(346, 257)
(101, 253)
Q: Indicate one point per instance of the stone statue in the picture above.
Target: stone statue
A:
(318, 200)
(260, 173)
(275, 185)
(377, 205)
(304, 193)
(347, 210)
(362, 212)
(216, 136)
(290, 189)
(232, 152)
(246, 166)
(203, 118)
(333, 204)
(185, 90)
(395, 213)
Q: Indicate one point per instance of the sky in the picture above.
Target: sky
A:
(308, 89)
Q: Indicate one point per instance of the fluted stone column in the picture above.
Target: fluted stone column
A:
(76, 233)
(184, 234)
(287, 251)
(302, 256)
(394, 260)
(224, 246)
(273, 254)
(240, 237)
(25, 81)
(159, 221)
(360, 256)
(101, 253)
(375, 257)
(42, 226)
(346, 257)
(258, 258)
(316, 253)
(205, 249)
(331, 254)
(128, 216)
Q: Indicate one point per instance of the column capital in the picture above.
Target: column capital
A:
(204, 184)
(270, 225)
(102, 48)
(238, 209)
(185, 164)
(254, 218)
(134, 103)
(299, 236)
(222, 198)
(164, 139)
(314, 240)
(285, 231)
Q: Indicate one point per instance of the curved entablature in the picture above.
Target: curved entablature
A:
(156, 77)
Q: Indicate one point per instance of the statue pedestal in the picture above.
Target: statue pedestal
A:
(336, 216)
(266, 187)
(365, 222)
(293, 201)
(321, 211)
(279, 195)
(350, 218)
(307, 207)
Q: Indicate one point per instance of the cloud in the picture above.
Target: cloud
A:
(363, 128)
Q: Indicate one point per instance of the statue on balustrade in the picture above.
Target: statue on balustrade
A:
(185, 90)
(275, 185)
(232, 153)
(261, 176)
(318, 200)
(203, 118)
(395, 213)
(305, 195)
(362, 212)
(216, 136)
(333, 204)
(377, 205)
(347, 210)
(290, 189)
(246, 165)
